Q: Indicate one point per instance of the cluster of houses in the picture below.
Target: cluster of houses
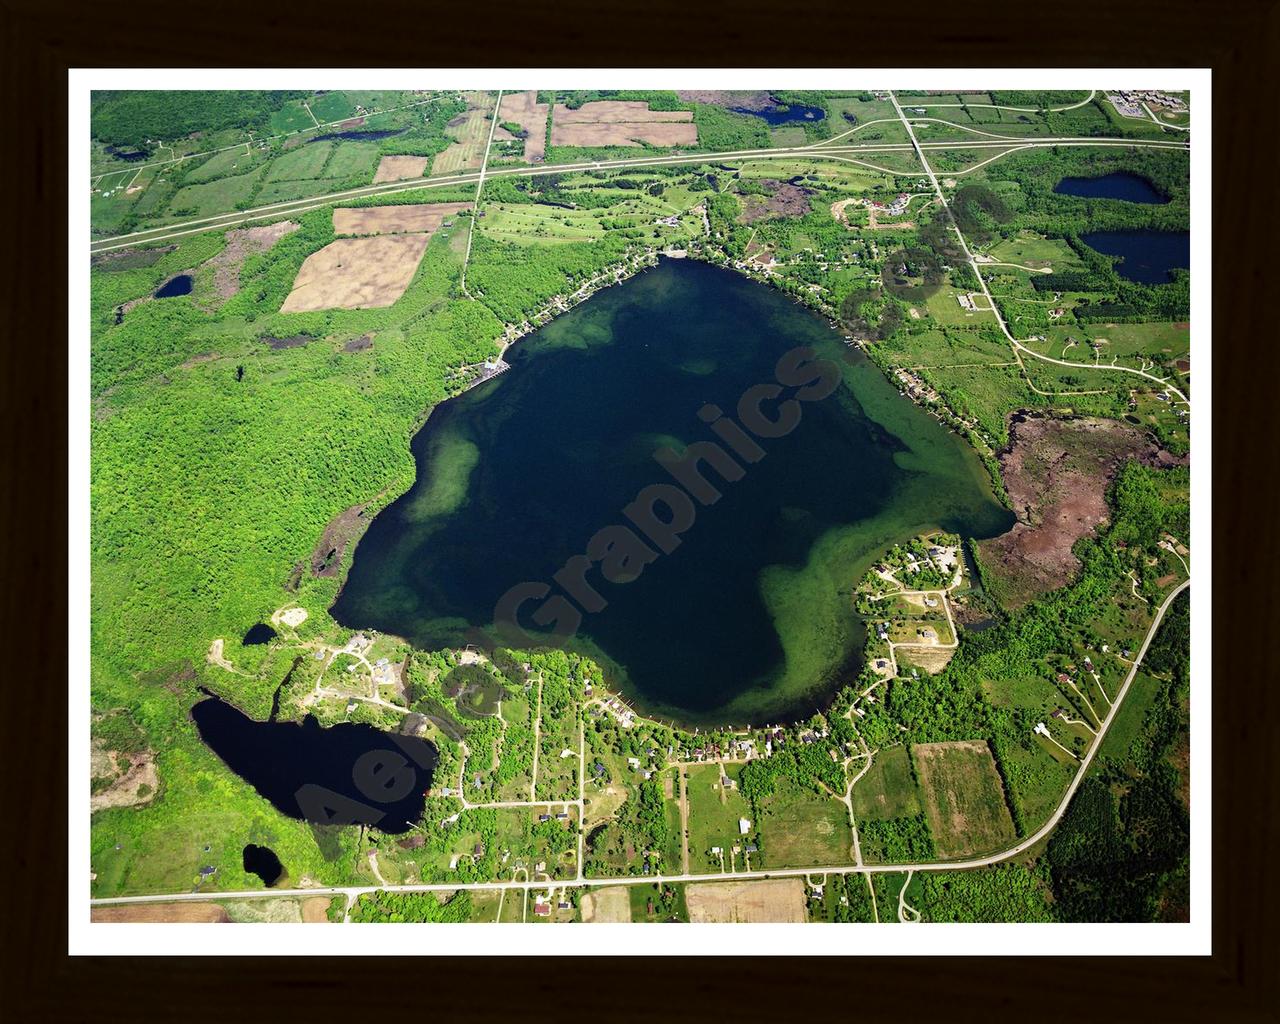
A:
(916, 387)
(896, 208)
(1128, 102)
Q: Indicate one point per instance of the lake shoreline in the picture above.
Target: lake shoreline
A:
(616, 273)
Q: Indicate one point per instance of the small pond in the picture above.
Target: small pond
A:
(782, 113)
(1148, 257)
(180, 285)
(371, 135)
(129, 155)
(263, 862)
(342, 775)
(1128, 187)
(259, 634)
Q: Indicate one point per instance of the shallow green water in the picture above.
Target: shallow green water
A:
(749, 618)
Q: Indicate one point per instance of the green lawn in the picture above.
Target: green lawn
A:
(213, 197)
(799, 827)
(888, 790)
(300, 163)
(225, 164)
(713, 816)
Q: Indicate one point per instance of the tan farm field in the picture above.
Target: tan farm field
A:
(398, 168)
(523, 108)
(621, 123)
(357, 273)
(394, 220)
(963, 797)
(160, 913)
(773, 901)
(607, 906)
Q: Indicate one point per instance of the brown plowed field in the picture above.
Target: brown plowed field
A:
(160, 913)
(392, 220)
(357, 273)
(397, 168)
(523, 108)
(772, 901)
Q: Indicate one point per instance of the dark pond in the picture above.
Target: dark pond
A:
(784, 114)
(292, 341)
(262, 861)
(750, 617)
(259, 634)
(360, 136)
(1148, 257)
(341, 775)
(1129, 187)
(130, 155)
(180, 285)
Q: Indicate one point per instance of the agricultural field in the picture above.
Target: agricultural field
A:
(605, 123)
(523, 109)
(963, 798)
(357, 273)
(470, 132)
(778, 901)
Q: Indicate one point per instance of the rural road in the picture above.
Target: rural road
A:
(352, 892)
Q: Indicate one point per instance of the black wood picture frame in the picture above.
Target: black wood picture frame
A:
(1236, 38)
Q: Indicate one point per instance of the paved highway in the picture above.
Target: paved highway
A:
(839, 153)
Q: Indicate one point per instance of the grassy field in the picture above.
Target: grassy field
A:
(213, 197)
(888, 790)
(532, 224)
(1030, 249)
(963, 798)
(799, 827)
(291, 117)
(226, 164)
(713, 816)
(302, 162)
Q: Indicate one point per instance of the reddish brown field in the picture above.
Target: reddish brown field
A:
(617, 112)
(523, 109)
(398, 168)
(1056, 473)
(160, 913)
(394, 220)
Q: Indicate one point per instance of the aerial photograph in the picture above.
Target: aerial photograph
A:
(636, 505)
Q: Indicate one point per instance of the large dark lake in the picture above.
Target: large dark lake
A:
(1118, 185)
(750, 618)
(1146, 256)
(344, 774)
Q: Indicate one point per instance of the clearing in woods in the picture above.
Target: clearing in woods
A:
(357, 273)
(607, 906)
(621, 123)
(471, 130)
(523, 108)
(773, 901)
(389, 220)
(963, 797)
(398, 168)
